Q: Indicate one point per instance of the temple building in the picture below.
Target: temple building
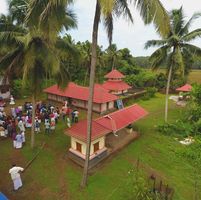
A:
(102, 128)
(115, 83)
(79, 95)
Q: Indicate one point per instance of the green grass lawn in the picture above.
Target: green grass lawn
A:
(53, 176)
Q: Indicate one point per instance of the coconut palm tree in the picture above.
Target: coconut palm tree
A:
(35, 53)
(175, 49)
(151, 11)
(108, 9)
(113, 55)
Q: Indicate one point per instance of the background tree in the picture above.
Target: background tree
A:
(35, 53)
(150, 11)
(108, 9)
(175, 50)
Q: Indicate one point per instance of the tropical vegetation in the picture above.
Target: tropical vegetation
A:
(175, 49)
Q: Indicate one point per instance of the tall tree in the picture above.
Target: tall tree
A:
(108, 9)
(151, 10)
(175, 49)
(35, 53)
(113, 55)
(48, 18)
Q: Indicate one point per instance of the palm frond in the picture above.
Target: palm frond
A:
(121, 8)
(192, 35)
(192, 48)
(153, 11)
(158, 57)
(155, 43)
(107, 6)
(108, 24)
(12, 62)
(185, 29)
(177, 20)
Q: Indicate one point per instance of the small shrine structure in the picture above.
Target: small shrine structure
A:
(101, 128)
(115, 83)
(185, 88)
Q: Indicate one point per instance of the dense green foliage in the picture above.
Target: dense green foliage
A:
(190, 123)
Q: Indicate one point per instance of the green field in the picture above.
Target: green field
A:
(195, 76)
(54, 176)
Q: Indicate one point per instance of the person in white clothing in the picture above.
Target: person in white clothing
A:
(15, 176)
(21, 126)
(12, 100)
(68, 122)
(23, 136)
(19, 141)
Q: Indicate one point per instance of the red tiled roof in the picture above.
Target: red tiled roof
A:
(122, 118)
(75, 91)
(108, 123)
(185, 88)
(79, 130)
(114, 74)
(115, 85)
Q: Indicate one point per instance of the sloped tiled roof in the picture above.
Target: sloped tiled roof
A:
(185, 88)
(115, 85)
(108, 123)
(75, 91)
(79, 130)
(114, 74)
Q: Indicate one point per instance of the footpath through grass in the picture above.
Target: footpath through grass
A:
(53, 176)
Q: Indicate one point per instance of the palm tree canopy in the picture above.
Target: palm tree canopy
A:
(18, 10)
(113, 8)
(51, 17)
(153, 11)
(176, 43)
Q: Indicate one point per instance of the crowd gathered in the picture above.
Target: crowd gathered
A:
(15, 124)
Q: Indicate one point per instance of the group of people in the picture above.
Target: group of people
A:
(14, 125)
(69, 115)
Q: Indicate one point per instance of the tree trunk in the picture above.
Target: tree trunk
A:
(91, 93)
(167, 93)
(33, 121)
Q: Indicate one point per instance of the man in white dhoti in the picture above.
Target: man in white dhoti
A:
(19, 140)
(15, 176)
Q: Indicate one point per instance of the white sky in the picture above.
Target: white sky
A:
(132, 36)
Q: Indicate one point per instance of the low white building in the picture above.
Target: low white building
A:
(79, 95)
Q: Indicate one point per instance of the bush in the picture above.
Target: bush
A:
(142, 80)
(178, 128)
(150, 92)
(192, 153)
(161, 81)
(177, 82)
(19, 90)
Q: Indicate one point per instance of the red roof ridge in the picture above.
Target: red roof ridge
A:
(72, 90)
(114, 74)
(125, 108)
(185, 88)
